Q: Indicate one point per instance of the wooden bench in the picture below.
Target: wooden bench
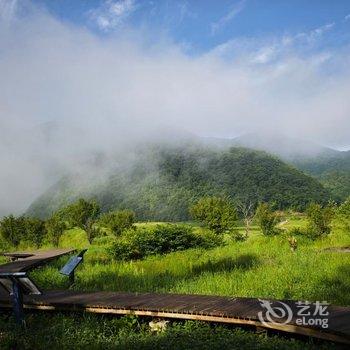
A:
(15, 281)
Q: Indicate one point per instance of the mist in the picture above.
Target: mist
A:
(67, 93)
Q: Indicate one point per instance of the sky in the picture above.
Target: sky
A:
(78, 77)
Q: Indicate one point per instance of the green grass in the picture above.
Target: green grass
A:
(259, 267)
(71, 331)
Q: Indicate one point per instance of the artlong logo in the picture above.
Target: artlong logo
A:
(307, 314)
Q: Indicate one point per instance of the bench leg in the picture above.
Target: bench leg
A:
(17, 300)
(71, 277)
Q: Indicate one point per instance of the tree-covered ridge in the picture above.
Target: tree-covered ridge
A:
(332, 171)
(329, 166)
(162, 182)
(324, 163)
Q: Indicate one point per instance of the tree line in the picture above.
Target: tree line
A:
(219, 214)
(84, 214)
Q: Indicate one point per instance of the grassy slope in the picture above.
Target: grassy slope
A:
(259, 267)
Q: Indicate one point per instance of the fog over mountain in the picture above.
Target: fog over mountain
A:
(286, 147)
(68, 94)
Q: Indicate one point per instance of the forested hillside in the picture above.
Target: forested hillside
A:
(331, 167)
(332, 171)
(161, 182)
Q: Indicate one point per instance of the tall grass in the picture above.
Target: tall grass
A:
(258, 267)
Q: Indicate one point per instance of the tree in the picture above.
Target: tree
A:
(55, 227)
(246, 210)
(218, 214)
(118, 221)
(12, 229)
(92, 231)
(34, 230)
(81, 214)
(319, 219)
(267, 219)
(343, 214)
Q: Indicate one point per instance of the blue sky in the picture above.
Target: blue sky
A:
(216, 68)
(202, 25)
(78, 77)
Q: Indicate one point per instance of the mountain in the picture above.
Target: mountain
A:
(331, 167)
(332, 171)
(159, 182)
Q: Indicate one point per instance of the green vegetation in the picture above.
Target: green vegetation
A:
(117, 221)
(81, 214)
(55, 227)
(267, 219)
(320, 220)
(261, 266)
(251, 243)
(129, 333)
(16, 229)
(332, 170)
(343, 213)
(337, 182)
(163, 182)
(217, 214)
(160, 239)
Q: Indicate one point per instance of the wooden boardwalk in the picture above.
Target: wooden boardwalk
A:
(238, 311)
(35, 259)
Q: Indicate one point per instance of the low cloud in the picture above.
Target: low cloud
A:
(67, 94)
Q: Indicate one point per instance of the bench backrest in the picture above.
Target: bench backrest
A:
(72, 264)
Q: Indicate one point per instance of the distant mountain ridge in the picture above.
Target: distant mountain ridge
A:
(162, 181)
(331, 167)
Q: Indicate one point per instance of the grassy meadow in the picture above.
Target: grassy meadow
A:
(257, 267)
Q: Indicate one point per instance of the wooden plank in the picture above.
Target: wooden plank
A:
(242, 311)
(38, 258)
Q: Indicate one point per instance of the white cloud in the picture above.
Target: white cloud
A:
(315, 33)
(347, 17)
(66, 93)
(111, 14)
(271, 49)
(185, 11)
(7, 10)
(234, 11)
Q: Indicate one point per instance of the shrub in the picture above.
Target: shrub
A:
(343, 214)
(160, 239)
(55, 227)
(267, 219)
(117, 221)
(239, 236)
(104, 240)
(34, 230)
(216, 213)
(319, 220)
(11, 229)
(296, 231)
(15, 229)
(208, 239)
